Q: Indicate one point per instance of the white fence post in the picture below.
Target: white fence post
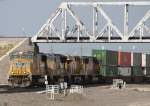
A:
(76, 89)
(52, 89)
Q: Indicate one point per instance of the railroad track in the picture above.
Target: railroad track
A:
(6, 89)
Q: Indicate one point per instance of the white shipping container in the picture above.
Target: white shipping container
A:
(132, 59)
(144, 71)
(143, 60)
(124, 71)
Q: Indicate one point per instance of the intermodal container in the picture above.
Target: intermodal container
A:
(147, 60)
(108, 70)
(137, 75)
(147, 75)
(147, 71)
(124, 59)
(106, 57)
(137, 71)
(143, 60)
(136, 59)
(124, 71)
(144, 71)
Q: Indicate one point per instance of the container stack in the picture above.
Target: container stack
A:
(144, 63)
(129, 66)
(124, 66)
(108, 61)
(136, 65)
(147, 65)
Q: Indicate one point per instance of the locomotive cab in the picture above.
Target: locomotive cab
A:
(21, 64)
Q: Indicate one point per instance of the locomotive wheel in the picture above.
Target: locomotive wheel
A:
(89, 80)
(25, 84)
(11, 84)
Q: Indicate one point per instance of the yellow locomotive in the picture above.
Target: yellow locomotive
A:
(28, 68)
(20, 72)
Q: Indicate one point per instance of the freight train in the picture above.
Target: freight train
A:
(29, 68)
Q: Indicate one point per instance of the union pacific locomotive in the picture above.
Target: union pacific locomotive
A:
(28, 68)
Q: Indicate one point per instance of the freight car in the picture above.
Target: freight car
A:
(122, 65)
(28, 68)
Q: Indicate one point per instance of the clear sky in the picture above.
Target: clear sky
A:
(29, 15)
(25, 17)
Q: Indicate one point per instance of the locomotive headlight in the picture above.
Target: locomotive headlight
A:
(20, 52)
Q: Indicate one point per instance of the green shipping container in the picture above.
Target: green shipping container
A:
(106, 57)
(108, 70)
(137, 71)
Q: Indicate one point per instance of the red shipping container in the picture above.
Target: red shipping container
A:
(124, 58)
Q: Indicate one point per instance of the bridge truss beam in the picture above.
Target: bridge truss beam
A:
(49, 33)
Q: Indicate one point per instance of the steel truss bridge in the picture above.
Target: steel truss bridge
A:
(108, 33)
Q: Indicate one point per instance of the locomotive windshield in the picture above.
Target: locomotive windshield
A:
(22, 64)
(21, 55)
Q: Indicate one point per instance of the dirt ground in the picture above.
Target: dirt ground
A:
(5, 63)
(93, 96)
(8, 43)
